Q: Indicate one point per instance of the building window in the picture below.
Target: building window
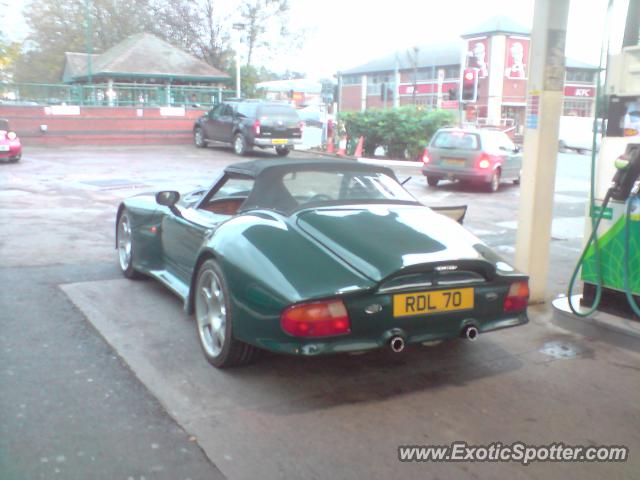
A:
(577, 107)
(374, 83)
(425, 74)
(351, 79)
(428, 74)
(580, 76)
(452, 72)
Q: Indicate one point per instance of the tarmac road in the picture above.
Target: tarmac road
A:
(102, 378)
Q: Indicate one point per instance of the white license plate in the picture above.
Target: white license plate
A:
(4, 148)
(458, 162)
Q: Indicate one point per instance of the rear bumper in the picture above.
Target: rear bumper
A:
(455, 174)
(413, 331)
(268, 142)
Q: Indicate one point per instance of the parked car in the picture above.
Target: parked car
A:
(308, 257)
(472, 155)
(10, 146)
(576, 134)
(246, 124)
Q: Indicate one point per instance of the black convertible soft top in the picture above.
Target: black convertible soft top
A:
(268, 190)
(255, 168)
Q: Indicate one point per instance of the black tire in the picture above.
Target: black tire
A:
(226, 352)
(198, 138)
(283, 151)
(240, 146)
(517, 181)
(124, 236)
(494, 183)
(433, 181)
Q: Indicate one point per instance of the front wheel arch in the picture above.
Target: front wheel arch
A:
(115, 236)
(203, 257)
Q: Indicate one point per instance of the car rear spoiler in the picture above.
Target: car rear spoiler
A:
(456, 213)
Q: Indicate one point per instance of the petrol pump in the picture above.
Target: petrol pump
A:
(610, 263)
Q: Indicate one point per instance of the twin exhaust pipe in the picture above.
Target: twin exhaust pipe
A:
(469, 332)
(397, 344)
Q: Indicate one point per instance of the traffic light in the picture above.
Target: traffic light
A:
(470, 85)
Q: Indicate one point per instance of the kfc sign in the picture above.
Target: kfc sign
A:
(478, 55)
(584, 92)
(517, 54)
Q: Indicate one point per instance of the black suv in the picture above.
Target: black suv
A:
(250, 123)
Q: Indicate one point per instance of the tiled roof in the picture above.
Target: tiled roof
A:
(144, 56)
(498, 24)
(436, 54)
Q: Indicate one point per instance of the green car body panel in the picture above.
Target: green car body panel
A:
(273, 260)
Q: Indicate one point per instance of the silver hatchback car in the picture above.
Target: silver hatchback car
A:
(472, 155)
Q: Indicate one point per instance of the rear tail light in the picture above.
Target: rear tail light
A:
(483, 162)
(426, 158)
(630, 132)
(12, 135)
(316, 319)
(256, 127)
(517, 298)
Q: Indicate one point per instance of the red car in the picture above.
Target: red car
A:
(10, 147)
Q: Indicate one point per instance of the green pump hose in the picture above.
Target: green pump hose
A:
(595, 222)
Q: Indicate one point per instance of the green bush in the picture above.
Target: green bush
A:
(403, 131)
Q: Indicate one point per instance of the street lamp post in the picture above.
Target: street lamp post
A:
(239, 27)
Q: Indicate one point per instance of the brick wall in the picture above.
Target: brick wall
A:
(351, 98)
(100, 125)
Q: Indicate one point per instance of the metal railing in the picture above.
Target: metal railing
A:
(113, 95)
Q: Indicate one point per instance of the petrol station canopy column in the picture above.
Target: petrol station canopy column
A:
(544, 106)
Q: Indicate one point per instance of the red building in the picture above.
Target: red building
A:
(424, 75)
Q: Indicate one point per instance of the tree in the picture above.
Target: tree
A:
(260, 18)
(213, 46)
(58, 26)
(9, 53)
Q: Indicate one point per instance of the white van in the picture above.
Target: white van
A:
(576, 133)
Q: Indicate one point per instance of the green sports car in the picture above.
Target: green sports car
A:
(312, 257)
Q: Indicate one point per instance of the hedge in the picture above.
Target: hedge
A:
(403, 131)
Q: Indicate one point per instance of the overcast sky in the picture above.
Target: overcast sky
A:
(341, 34)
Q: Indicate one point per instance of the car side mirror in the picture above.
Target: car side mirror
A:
(167, 198)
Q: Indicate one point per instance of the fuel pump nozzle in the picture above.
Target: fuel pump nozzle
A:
(625, 181)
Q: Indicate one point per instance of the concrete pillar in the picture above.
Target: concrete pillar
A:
(496, 79)
(440, 81)
(111, 92)
(396, 86)
(363, 94)
(544, 105)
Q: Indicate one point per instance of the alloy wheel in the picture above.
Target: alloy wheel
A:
(211, 312)
(124, 242)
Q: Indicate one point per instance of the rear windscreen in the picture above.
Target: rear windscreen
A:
(278, 111)
(456, 140)
(247, 109)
